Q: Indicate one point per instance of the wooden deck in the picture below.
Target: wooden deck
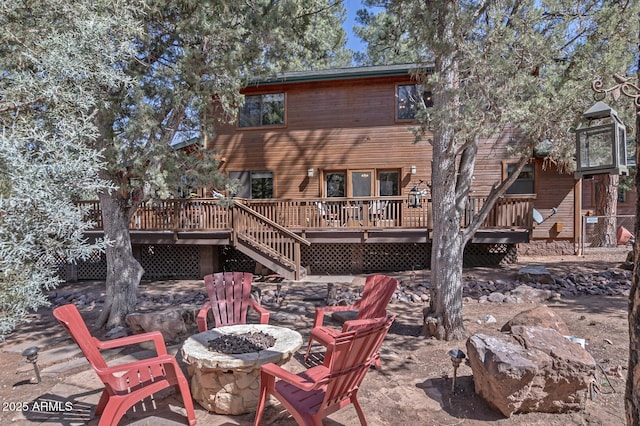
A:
(275, 233)
(377, 219)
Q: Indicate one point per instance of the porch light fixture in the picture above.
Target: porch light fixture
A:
(601, 142)
(310, 172)
(413, 169)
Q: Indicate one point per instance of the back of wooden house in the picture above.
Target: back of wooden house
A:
(332, 180)
(348, 133)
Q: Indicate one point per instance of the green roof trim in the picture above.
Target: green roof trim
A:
(341, 74)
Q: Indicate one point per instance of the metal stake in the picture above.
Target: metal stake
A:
(32, 356)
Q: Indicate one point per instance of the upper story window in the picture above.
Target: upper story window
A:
(525, 183)
(408, 97)
(262, 110)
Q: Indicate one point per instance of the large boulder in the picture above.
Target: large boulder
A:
(534, 369)
(540, 316)
(170, 323)
(536, 274)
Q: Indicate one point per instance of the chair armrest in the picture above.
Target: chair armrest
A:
(358, 323)
(154, 336)
(307, 380)
(321, 310)
(111, 371)
(263, 312)
(201, 319)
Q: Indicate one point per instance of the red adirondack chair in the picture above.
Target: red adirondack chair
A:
(319, 391)
(378, 290)
(229, 298)
(129, 383)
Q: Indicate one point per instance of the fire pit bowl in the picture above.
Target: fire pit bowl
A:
(230, 383)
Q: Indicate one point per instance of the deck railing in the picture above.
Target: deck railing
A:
(210, 214)
(268, 237)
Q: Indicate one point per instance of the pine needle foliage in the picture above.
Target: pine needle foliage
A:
(55, 56)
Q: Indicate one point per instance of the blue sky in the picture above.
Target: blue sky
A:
(352, 7)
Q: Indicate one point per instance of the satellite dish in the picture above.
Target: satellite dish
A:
(537, 217)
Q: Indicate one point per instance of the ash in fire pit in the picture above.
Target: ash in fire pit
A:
(242, 343)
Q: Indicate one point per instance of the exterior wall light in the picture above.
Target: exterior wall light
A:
(413, 169)
(310, 172)
(601, 142)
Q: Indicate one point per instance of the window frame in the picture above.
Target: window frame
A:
(325, 189)
(348, 182)
(246, 182)
(398, 188)
(427, 94)
(239, 125)
(534, 171)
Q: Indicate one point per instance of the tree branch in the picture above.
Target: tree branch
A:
(496, 193)
(6, 107)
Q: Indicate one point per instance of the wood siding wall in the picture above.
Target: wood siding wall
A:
(351, 125)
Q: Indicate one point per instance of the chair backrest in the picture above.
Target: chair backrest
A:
(230, 295)
(72, 321)
(323, 209)
(350, 356)
(378, 290)
(377, 207)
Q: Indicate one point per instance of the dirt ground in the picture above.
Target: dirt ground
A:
(414, 385)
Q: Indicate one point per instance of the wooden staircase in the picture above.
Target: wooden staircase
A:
(266, 242)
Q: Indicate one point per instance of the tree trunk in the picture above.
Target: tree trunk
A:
(632, 390)
(443, 319)
(606, 207)
(123, 270)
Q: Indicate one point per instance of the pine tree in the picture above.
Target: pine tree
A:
(54, 56)
(189, 53)
(522, 66)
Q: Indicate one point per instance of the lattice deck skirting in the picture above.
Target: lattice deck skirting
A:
(159, 262)
(490, 254)
(183, 262)
(366, 258)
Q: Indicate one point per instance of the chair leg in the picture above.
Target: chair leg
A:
(306, 357)
(377, 364)
(267, 382)
(183, 388)
(114, 411)
(104, 399)
(356, 404)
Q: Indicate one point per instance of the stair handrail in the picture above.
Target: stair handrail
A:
(287, 254)
(282, 229)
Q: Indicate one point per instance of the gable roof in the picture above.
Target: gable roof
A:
(341, 74)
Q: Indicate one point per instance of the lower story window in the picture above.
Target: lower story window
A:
(525, 183)
(253, 184)
(335, 184)
(389, 183)
(359, 183)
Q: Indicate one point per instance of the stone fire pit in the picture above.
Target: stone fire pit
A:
(230, 383)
